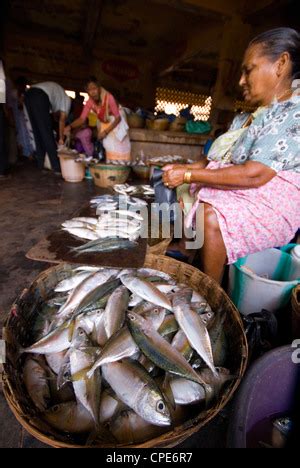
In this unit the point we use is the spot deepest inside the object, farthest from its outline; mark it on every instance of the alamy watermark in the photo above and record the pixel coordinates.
(296, 353)
(160, 221)
(2, 352)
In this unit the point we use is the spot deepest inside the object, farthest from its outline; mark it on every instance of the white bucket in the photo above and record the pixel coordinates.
(264, 280)
(71, 170)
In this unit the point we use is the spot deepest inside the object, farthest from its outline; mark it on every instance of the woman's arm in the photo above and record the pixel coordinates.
(252, 174)
(109, 129)
(197, 165)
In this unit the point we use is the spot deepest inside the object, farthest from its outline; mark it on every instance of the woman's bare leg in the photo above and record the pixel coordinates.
(213, 254)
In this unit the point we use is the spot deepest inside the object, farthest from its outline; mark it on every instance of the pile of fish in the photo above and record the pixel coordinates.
(140, 190)
(124, 355)
(161, 160)
(118, 224)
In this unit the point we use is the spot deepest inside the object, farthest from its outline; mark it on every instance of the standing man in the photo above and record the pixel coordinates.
(41, 100)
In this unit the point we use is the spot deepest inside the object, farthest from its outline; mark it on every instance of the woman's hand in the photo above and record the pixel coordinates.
(174, 177)
(61, 142)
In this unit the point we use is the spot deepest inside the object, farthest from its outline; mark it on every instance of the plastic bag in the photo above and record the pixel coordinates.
(163, 195)
(198, 127)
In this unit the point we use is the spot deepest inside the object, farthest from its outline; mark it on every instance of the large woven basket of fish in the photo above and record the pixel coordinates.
(173, 395)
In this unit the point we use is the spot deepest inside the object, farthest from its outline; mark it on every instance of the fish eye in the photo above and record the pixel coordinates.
(55, 409)
(161, 406)
(81, 333)
(156, 311)
(131, 317)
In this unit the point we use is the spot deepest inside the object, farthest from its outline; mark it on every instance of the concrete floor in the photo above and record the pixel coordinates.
(32, 205)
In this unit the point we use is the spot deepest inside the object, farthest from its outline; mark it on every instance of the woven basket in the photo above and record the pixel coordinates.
(106, 175)
(18, 330)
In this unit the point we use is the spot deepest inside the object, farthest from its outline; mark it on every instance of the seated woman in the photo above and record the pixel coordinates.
(250, 184)
(112, 125)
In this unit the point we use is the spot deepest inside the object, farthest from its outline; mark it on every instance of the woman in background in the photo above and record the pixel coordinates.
(112, 126)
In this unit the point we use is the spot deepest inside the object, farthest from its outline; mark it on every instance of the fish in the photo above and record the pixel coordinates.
(193, 327)
(109, 407)
(217, 382)
(201, 307)
(121, 345)
(114, 315)
(77, 225)
(55, 342)
(88, 269)
(158, 350)
(55, 361)
(71, 283)
(92, 221)
(65, 375)
(146, 291)
(36, 382)
(168, 326)
(219, 340)
(82, 233)
(90, 290)
(186, 392)
(181, 343)
(135, 300)
(87, 390)
(135, 388)
(106, 245)
(70, 418)
(146, 272)
(129, 428)
(93, 324)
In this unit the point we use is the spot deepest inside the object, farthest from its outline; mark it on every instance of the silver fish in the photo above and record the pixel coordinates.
(114, 315)
(71, 283)
(122, 345)
(158, 350)
(109, 407)
(55, 342)
(90, 290)
(87, 390)
(134, 387)
(146, 291)
(55, 361)
(193, 327)
(71, 418)
(36, 382)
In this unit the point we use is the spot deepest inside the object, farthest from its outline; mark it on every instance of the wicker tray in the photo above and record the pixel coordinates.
(18, 330)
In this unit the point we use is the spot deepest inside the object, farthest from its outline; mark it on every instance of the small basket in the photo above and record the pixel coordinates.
(135, 121)
(160, 125)
(18, 331)
(106, 175)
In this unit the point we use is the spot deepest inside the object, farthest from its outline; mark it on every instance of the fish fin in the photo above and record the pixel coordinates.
(81, 375)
